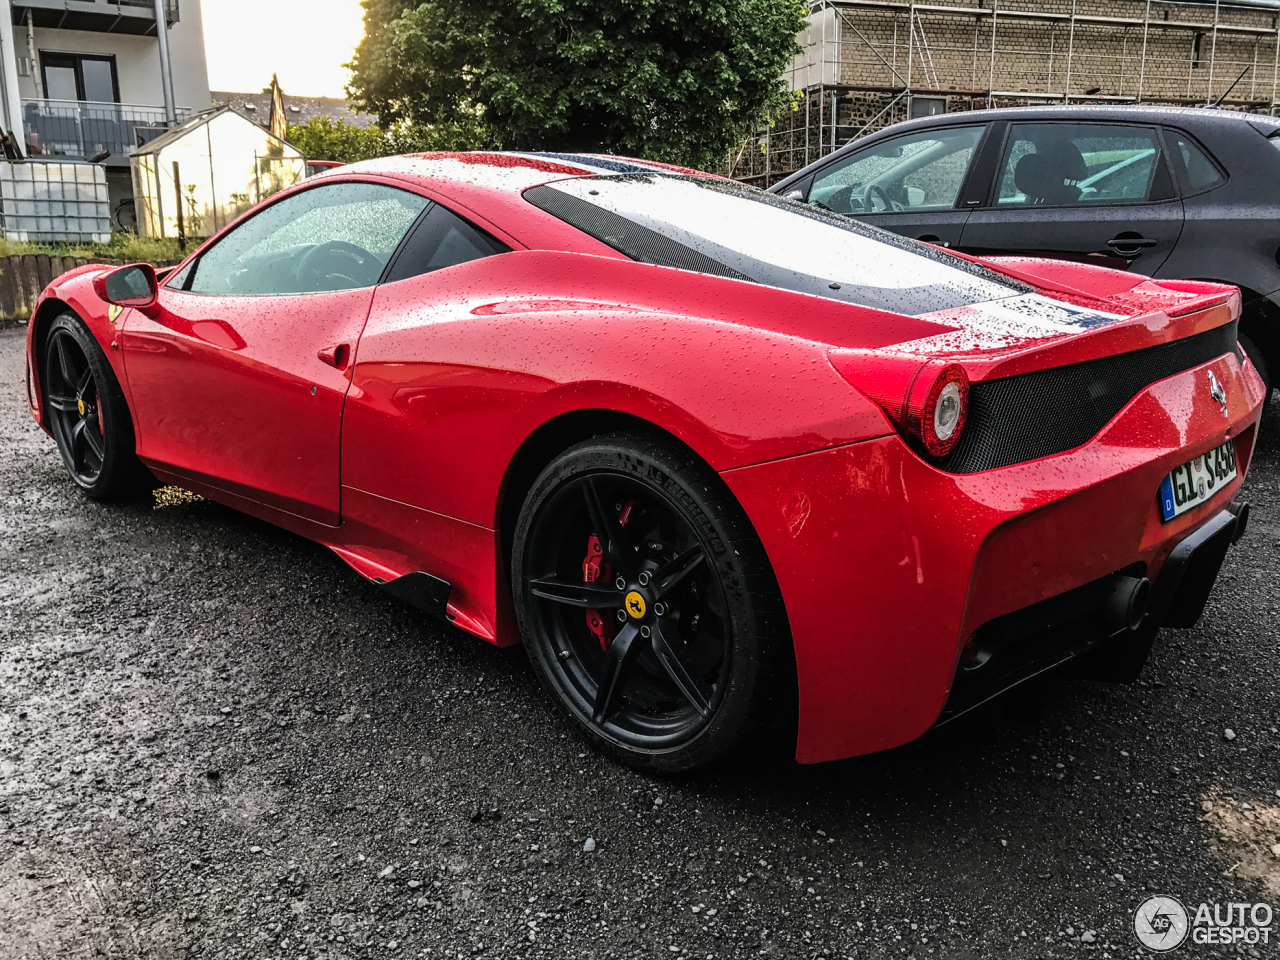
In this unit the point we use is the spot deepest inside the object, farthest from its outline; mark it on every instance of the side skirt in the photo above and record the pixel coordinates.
(422, 590)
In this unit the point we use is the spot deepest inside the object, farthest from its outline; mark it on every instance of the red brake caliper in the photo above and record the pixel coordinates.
(593, 569)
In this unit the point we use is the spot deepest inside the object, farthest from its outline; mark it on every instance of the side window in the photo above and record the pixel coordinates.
(333, 237)
(442, 239)
(1198, 171)
(1073, 164)
(920, 172)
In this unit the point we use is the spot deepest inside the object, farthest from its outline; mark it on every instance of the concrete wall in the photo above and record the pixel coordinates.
(137, 60)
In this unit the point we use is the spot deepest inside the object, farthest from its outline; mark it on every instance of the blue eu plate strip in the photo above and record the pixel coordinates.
(1166, 497)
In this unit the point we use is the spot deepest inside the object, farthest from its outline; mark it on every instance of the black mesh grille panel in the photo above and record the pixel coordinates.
(1015, 419)
(637, 242)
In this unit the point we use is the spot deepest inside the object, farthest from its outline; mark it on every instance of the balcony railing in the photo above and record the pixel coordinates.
(111, 16)
(84, 129)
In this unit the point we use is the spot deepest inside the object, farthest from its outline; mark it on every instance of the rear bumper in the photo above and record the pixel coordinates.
(1073, 631)
(889, 566)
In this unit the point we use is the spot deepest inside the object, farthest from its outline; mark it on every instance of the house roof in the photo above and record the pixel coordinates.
(257, 107)
(194, 122)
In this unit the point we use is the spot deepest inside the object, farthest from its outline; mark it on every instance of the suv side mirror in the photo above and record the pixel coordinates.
(132, 286)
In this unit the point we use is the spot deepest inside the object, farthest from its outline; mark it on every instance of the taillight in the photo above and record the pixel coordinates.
(945, 407)
(927, 400)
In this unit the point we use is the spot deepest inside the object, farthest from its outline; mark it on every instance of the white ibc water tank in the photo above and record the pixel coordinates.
(54, 202)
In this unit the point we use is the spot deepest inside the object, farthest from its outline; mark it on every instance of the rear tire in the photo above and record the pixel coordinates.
(637, 573)
(86, 412)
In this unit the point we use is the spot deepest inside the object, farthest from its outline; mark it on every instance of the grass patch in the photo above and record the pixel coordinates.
(123, 246)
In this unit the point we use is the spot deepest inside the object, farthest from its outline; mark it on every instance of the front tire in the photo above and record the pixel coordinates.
(648, 606)
(86, 412)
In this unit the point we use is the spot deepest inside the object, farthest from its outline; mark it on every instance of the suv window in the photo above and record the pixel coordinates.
(333, 237)
(920, 172)
(1198, 171)
(442, 239)
(1072, 164)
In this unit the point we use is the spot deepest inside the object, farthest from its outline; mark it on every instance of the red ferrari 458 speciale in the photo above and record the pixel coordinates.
(723, 461)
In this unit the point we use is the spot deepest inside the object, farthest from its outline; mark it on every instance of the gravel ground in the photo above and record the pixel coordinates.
(217, 741)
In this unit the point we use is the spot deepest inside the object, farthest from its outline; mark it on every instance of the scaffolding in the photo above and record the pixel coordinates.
(868, 63)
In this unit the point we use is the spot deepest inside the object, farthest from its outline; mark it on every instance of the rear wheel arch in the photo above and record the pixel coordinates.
(546, 443)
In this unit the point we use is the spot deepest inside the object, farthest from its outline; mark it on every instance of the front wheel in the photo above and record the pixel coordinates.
(86, 412)
(648, 605)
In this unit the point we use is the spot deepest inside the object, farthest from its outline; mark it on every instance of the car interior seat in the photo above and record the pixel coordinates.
(1051, 175)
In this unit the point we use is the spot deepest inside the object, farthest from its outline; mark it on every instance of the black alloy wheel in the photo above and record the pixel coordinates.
(647, 603)
(86, 411)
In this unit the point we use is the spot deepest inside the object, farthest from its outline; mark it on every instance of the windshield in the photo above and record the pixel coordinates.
(730, 229)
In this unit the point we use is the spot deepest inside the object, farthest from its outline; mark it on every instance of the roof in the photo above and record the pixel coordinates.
(505, 171)
(1141, 112)
(196, 121)
(257, 107)
(488, 186)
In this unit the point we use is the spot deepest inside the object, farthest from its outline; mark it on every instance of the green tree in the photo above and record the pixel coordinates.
(326, 139)
(672, 80)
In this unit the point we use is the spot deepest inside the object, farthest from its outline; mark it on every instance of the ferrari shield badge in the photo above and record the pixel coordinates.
(113, 311)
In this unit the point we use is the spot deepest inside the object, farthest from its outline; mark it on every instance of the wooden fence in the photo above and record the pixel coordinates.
(23, 277)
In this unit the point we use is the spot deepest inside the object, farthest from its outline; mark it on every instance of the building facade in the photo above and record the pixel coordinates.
(868, 63)
(86, 80)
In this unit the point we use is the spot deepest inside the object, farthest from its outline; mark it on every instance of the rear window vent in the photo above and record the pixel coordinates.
(637, 242)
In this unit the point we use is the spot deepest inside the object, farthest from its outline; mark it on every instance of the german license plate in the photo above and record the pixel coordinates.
(1191, 484)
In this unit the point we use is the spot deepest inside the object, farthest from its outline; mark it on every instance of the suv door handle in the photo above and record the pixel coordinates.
(1130, 243)
(336, 355)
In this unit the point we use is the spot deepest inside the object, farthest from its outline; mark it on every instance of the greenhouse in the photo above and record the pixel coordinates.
(219, 163)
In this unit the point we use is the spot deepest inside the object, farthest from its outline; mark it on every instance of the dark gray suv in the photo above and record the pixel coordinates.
(1164, 191)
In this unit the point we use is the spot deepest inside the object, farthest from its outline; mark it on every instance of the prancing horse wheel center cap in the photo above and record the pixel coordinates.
(635, 604)
(80, 407)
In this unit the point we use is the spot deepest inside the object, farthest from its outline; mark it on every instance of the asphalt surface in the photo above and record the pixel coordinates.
(217, 741)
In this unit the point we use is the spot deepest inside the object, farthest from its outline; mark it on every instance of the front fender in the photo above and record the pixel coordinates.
(71, 291)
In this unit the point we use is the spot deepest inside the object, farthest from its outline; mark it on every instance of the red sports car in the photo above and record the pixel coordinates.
(723, 461)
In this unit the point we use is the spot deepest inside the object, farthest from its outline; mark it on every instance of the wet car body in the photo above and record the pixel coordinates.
(401, 422)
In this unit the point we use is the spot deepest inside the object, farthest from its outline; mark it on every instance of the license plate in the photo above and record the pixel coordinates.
(1191, 484)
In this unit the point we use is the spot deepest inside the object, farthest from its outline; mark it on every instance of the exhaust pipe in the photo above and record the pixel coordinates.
(1127, 605)
(1241, 512)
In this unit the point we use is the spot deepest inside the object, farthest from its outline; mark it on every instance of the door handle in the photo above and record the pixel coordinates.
(335, 356)
(934, 239)
(1130, 243)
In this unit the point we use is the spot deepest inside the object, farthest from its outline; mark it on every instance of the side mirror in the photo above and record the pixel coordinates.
(132, 286)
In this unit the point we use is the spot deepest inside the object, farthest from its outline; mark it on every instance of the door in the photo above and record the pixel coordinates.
(239, 377)
(910, 185)
(1097, 193)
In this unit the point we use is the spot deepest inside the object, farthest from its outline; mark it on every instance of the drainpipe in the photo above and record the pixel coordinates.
(10, 101)
(166, 67)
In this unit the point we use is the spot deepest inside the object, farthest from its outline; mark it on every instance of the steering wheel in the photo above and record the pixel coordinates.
(875, 190)
(336, 265)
